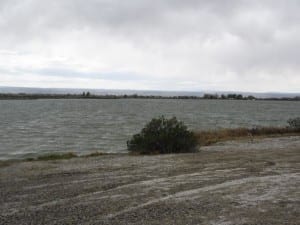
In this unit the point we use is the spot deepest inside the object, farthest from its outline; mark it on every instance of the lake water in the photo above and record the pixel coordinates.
(30, 127)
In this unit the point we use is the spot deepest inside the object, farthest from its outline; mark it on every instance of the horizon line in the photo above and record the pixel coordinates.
(153, 90)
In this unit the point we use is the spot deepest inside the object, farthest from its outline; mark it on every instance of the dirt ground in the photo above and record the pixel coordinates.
(230, 183)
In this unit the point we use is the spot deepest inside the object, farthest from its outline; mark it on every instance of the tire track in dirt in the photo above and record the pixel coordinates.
(191, 194)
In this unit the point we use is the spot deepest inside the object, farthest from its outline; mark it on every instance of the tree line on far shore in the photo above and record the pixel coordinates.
(229, 96)
(88, 95)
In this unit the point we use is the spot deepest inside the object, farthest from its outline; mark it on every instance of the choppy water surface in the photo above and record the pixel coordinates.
(35, 127)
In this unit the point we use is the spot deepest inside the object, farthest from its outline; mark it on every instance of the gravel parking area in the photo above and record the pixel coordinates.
(230, 183)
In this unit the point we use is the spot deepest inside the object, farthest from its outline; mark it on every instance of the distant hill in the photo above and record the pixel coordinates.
(15, 90)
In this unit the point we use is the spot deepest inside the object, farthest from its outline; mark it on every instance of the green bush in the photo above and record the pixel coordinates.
(163, 136)
(294, 123)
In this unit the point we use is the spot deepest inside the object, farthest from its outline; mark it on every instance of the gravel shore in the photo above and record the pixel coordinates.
(230, 183)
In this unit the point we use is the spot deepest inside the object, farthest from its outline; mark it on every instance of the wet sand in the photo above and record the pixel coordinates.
(238, 182)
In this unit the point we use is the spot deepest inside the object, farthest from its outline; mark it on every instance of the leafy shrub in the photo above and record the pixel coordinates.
(294, 123)
(163, 136)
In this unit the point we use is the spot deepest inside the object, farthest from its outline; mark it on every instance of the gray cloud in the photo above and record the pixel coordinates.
(229, 41)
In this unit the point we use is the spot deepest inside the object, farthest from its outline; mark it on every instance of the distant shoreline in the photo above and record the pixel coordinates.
(24, 96)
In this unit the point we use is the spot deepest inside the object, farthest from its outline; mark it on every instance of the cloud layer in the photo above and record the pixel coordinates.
(151, 44)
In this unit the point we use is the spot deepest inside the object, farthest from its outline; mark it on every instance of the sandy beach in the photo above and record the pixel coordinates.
(230, 183)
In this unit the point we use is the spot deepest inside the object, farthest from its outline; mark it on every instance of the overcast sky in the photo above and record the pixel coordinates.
(191, 45)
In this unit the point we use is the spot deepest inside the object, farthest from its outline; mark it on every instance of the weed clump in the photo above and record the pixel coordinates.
(54, 156)
(294, 123)
(163, 136)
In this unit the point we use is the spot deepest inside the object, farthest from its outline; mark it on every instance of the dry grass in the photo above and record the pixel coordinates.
(95, 154)
(6, 163)
(59, 156)
(210, 137)
(67, 155)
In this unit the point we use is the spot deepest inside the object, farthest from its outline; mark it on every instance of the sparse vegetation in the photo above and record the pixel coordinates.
(6, 163)
(163, 136)
(95, 154)
(67, 155)
(294, 123)
(211, 137)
